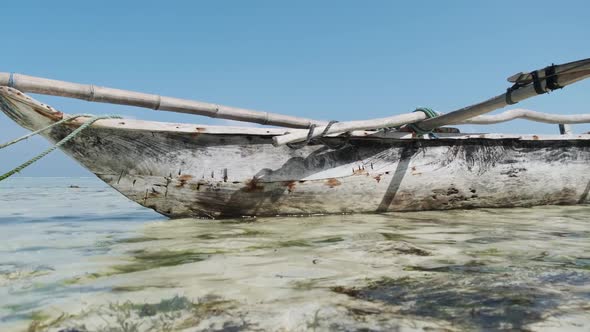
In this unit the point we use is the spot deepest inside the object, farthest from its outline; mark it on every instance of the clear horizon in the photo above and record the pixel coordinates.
(340, 60)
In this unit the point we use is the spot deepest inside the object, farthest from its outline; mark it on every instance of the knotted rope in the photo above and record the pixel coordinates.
(299, 145)
(416, 128)
(66, 139)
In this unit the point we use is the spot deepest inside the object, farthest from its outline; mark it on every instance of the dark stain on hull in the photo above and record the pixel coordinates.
(253, 186)
(290, 186)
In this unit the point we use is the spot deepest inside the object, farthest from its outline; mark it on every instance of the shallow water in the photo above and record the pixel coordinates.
(75, 254)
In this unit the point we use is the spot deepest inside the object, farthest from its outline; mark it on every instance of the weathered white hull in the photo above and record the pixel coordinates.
(201, 171)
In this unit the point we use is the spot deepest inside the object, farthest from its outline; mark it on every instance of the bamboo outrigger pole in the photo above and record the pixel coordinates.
(100, 94)
(526, 85)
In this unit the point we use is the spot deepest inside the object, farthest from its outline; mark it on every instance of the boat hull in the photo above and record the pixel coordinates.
(202, 173)
(228, 180)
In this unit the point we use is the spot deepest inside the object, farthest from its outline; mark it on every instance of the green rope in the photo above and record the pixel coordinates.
(2, 146)
(429, 114)
(57, 145)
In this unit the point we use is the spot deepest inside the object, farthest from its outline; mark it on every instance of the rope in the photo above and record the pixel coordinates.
(2, 146)
(334, 146)
(73, 134)
(416, 128)
(11, 80)
(328, 127)
(299, 145)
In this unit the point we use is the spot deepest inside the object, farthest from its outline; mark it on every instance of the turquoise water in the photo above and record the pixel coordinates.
(76, 255)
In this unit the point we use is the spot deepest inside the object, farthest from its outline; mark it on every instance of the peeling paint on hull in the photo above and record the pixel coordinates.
(182, 174)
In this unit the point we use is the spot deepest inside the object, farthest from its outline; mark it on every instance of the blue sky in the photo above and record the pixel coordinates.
(340, 60)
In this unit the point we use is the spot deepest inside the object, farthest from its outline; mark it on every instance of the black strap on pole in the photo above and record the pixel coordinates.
(551, 78)
(509, 100)
(537, 83)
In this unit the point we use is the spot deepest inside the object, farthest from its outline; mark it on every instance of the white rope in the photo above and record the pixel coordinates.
(520, 113)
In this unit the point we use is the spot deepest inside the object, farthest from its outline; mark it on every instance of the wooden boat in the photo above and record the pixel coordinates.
(187, 170)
